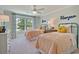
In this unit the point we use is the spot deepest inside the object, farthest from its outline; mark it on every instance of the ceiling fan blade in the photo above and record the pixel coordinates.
(39, 12)
(35, 9)
(41, 9)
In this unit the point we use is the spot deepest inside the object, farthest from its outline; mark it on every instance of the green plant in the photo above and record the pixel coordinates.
(21, 23)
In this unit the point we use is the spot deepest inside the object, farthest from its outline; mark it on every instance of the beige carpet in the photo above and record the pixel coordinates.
(21, 45)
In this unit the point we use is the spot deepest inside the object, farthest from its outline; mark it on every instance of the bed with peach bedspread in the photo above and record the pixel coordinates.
(55, 43)
(30, 35)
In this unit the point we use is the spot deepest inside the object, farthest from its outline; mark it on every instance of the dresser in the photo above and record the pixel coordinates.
(3, 43)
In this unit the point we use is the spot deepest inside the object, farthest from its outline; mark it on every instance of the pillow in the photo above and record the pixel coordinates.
(62, 29)
(68, 28)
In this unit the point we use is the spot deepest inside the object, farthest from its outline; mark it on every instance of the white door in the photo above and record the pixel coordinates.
(22, 25)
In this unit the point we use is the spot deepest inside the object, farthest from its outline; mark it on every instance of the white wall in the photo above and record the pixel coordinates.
(74, 10)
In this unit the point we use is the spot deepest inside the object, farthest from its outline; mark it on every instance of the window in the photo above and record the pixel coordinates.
(22, 24)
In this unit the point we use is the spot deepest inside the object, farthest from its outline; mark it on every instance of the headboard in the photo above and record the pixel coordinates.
(72, 26)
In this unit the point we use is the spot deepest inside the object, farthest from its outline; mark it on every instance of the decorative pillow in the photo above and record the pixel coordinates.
(68, 28)
(62, 29)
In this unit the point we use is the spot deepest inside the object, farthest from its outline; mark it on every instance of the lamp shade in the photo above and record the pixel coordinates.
(4, 18)
(52, 22)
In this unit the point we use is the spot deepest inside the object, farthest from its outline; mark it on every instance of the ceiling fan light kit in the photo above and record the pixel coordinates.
(34, 12)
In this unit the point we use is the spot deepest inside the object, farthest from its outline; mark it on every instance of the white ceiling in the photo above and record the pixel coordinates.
(27, 9)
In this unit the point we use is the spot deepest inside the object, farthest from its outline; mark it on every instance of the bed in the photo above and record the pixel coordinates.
(56, 43)
(31, 35)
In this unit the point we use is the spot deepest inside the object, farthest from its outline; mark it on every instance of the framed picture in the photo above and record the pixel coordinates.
(43, 21)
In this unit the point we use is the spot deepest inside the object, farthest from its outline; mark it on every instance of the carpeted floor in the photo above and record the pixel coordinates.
(21, 45)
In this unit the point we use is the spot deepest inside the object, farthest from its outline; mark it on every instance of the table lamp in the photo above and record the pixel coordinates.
(3, 19)
(52, 22)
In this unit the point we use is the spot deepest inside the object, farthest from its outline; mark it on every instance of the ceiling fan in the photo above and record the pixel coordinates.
(37, 11)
